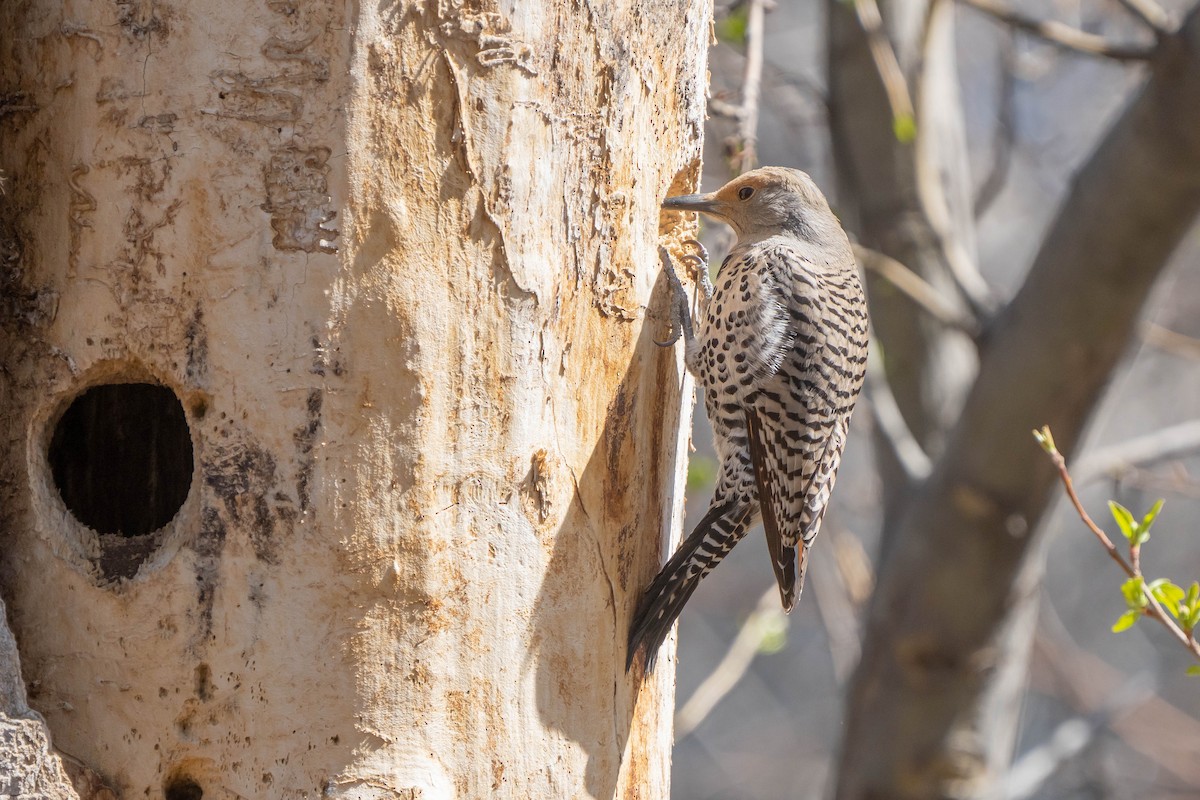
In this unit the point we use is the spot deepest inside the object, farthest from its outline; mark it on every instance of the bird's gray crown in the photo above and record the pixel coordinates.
(765, 202)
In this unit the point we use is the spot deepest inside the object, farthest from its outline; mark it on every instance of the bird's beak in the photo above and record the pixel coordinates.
(707, 203)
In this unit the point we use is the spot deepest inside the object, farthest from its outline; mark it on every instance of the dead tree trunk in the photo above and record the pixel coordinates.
(335, 446)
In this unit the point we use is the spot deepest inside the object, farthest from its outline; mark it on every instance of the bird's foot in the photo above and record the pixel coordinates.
(699, 262)
(680, 317)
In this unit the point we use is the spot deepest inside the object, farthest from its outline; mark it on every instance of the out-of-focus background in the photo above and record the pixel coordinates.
(1096, 714)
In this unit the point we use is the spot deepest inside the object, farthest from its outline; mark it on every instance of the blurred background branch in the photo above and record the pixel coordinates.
(1090, 170)
(1061, 35)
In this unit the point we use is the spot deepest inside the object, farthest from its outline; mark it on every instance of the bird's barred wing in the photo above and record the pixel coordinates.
(751, 312)
(796, 426)
(793, 485)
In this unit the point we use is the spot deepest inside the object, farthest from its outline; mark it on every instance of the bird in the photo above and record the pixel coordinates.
(779, 352)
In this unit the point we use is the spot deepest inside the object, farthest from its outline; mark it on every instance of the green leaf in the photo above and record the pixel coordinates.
(1045, 439)
(1195, 670)
(1134, 590)
(731, 29)
(1124, 518)
(702, 471)
(1170, 595)
(904, 128)
(1126, 621)
(774, 634)
(1148, 520)
(1191, 607)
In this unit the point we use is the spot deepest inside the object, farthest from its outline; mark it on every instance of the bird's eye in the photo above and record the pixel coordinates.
(745, 192)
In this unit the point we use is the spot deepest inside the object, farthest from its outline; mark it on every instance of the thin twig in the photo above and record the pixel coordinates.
(1153, 609)
(1159, 731)
(934, 206)
(1113, 461)
(733, 666)
(1061, 464)
(1033, 770)
(1152, 14)
(931, 192)
(886, 62)
(1004, 140)
(906, 450)
(1177, 482)
(836, 604)
(1170, 341)
(917, 289)
(747, 156)
(723, 108)
(799, 101)
(1062, 35)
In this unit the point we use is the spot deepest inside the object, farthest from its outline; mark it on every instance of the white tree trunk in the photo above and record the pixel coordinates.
(394, 262)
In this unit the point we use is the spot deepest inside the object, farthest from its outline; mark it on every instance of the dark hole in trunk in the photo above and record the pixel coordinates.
(121, 456)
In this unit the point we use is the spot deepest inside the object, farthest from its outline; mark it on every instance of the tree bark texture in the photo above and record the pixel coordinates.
(393, 261)
(931, 644)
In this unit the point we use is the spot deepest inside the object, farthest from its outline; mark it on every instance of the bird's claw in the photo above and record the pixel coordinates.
(679, 309)
(700, 266)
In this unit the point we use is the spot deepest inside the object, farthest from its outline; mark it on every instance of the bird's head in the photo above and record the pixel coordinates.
(766, 202)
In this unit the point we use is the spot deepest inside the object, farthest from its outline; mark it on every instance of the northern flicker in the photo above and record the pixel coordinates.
(780, 352)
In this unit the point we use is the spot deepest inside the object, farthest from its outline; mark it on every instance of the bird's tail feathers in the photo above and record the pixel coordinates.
(663, 601)
(790, 572)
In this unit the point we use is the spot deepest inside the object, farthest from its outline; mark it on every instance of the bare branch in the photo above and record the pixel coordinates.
(1170, 341)
(886, 62)
(1116, 460)
(1032, 770)
(894, 431)
(917, 289)
(1060, 464)
(723, 108)
(1151, 13)
(747, 157)
(1155, 728)
(742, 146)
(767, 615)
(1062, 35)
(838, 601)
(931, 192)
(1004, 140)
